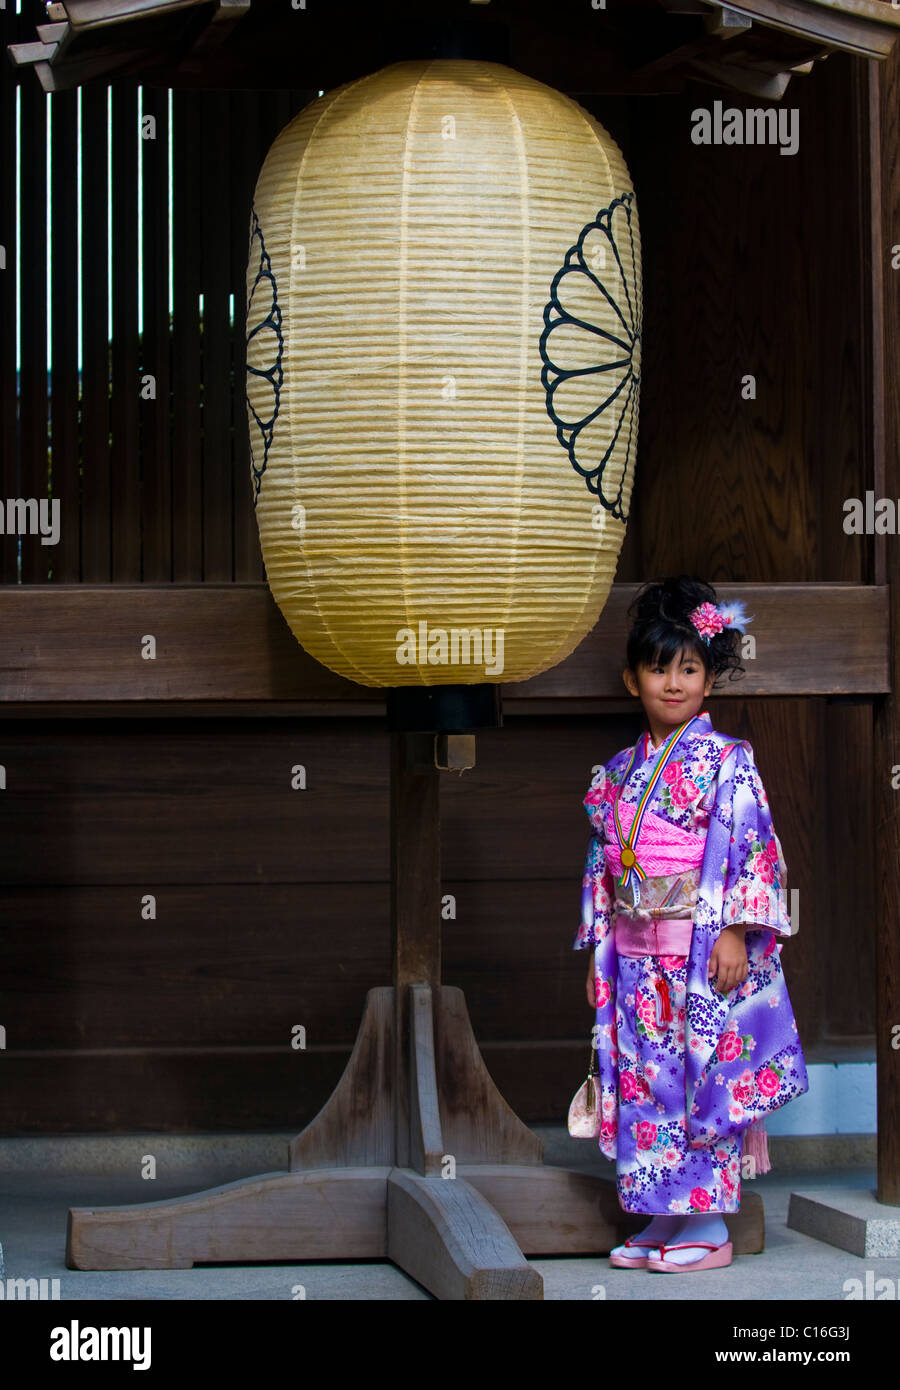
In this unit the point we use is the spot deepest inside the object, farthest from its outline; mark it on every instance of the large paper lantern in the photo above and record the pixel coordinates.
(443, 366)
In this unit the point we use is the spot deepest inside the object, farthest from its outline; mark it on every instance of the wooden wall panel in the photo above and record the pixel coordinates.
(753, 264)
(125, 388)
(187, 456)
(9, 559)
(173, 804)
(233, 965)
(886, 343)
(845, 932)
(97, 485)
(65, 556)
(31, 477)
(156, 347)
(244, 145)
(273, 909)
(216, 283)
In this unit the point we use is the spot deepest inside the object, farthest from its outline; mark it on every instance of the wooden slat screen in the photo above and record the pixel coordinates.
(151, 490)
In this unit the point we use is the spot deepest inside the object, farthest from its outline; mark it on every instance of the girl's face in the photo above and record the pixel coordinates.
(671, 694)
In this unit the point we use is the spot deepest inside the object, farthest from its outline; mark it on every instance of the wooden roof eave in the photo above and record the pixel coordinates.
(749, 45)
(60, 65)
(866, 28)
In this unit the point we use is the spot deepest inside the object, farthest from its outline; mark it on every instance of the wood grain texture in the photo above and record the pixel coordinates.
(886, 157)
(9, 560)
(637, 53)
(31, 477)
(777, 295)
(245, 151)
(584, 1216)
(77, 643)
(65, 481)
(155, 416)
(187, 458)
(847, 928)
(447, 1237)
(273, 910)
(276, 1216)
(356, 1124)
(216, 284)
(96, 524)
(125, 390)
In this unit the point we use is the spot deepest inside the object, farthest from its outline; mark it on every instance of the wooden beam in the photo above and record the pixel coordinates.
(725, 22)
(867, 27)
(225, 16)
(104, 37)
(794, 62)
(675, 58)
(23, 53)
(51, 33)
(85, 14)
(63, 76)
(69, 644)
(770, 86)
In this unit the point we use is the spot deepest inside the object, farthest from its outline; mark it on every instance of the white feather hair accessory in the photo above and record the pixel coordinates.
(709, 619)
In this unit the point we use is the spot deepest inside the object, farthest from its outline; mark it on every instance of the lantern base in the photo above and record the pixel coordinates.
(443, 708)
(446, 1181)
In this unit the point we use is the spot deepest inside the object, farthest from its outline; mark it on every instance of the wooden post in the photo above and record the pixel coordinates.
(415, 899)
(885, 182)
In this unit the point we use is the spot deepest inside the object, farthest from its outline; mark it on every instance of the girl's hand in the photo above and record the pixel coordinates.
(728, 959)
(591, 997)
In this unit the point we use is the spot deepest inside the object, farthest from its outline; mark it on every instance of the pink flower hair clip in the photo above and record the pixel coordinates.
(709, 619)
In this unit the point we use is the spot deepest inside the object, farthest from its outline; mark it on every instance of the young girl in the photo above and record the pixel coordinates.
(683, 898)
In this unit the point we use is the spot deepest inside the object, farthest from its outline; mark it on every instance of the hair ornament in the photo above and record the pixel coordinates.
(709, 619)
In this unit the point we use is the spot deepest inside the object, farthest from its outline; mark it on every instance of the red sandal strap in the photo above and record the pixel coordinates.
(646, 1244)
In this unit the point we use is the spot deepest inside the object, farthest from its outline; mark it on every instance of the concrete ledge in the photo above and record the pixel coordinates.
(851, 1219)
(181, 1156)
(177, 1156)
(786, 1152)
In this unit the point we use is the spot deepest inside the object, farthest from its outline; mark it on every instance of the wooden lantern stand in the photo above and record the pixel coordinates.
(415, 1157)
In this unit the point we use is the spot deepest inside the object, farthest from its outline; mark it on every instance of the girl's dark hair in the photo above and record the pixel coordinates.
(661, 627)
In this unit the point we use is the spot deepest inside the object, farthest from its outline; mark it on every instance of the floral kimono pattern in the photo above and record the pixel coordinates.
(677, 1097)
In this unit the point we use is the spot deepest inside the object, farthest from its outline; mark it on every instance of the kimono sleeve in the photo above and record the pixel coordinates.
(597, 897)
(755, 875)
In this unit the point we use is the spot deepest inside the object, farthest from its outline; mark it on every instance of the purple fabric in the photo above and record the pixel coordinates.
(736, 1057)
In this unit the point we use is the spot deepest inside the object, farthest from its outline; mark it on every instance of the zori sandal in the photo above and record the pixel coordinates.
(633, 1261)
(718, 1257)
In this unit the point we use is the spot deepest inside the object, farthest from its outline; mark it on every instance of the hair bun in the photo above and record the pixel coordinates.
(661, 626)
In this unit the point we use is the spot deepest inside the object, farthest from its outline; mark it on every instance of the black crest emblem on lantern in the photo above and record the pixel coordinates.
(263, 320)
(614, 350)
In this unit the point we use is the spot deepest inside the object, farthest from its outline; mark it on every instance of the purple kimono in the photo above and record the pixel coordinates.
(683, 1069)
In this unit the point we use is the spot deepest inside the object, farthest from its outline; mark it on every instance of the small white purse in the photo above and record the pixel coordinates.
(584, 1113)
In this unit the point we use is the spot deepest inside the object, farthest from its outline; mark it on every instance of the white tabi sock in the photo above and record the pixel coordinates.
(661, 1229)
(704, 1226)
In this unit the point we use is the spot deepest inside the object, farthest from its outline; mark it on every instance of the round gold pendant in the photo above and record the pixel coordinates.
(628, 857)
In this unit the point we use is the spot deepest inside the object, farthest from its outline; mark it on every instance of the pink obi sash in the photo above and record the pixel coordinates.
(668, 936)
(662, 848)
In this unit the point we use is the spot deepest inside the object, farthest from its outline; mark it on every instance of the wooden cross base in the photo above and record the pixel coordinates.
(415, 1158)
